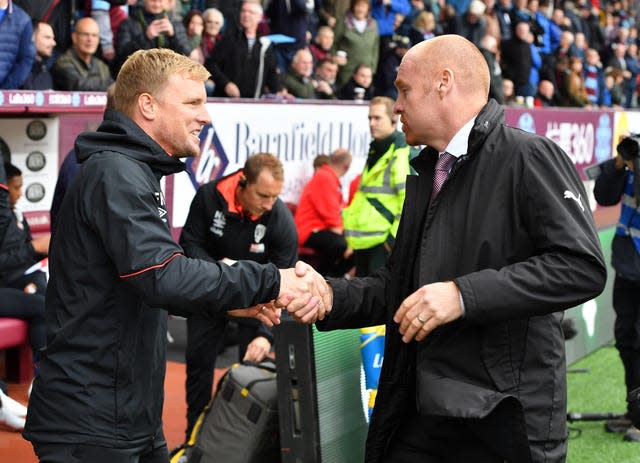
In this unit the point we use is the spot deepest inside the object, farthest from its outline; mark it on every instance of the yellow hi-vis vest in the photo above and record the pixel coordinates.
(373, 216)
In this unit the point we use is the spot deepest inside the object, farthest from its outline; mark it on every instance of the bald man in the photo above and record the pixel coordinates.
(78, 68)
(473, 292)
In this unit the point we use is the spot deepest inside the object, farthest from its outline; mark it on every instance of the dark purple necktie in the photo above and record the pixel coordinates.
(443, 166)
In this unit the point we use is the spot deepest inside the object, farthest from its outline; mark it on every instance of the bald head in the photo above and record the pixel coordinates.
(442, 84)
(459, 55)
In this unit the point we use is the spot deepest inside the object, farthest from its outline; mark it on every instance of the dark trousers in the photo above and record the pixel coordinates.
(626, 303)
(205, 337)
(153, 452)
(368, 261)
(30, 307)
(330, 247)
(500, 437)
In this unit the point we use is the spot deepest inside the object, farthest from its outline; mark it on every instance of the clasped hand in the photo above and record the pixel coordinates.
(305, 293)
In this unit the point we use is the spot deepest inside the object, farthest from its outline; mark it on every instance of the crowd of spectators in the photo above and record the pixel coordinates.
(578, 53)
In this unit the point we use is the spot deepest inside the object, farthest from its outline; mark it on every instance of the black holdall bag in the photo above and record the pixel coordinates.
(240, 422)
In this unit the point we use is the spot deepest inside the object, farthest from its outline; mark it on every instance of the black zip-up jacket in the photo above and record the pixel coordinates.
(113, 264)
(512, 228)
(16, 252)
(211, 232)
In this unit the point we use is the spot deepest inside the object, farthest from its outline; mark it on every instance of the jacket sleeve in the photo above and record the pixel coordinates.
(564, 265)
(131, 37)
(20, 256)
(144, 254)
(23, 61)
(5, 211)
(218, 56)
(609, 185)
(193, 237)
(179, 42)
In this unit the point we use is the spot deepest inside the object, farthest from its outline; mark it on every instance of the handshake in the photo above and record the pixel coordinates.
(304, 293)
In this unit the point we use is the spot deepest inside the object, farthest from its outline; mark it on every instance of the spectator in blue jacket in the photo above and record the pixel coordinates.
(17, 52)
(389, 14)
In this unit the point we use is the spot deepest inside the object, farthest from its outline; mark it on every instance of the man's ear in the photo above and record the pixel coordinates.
(147, 106)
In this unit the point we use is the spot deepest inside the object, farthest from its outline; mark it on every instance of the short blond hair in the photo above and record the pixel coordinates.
(147, 71)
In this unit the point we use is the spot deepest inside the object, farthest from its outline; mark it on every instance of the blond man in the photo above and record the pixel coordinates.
(116, 271)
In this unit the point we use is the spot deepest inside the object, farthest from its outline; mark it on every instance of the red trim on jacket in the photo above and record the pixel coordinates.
(4, 187)
(153, 267)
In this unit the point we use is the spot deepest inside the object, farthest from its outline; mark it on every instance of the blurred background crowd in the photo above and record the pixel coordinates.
(541, 53)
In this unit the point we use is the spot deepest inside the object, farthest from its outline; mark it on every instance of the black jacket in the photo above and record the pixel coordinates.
(132, 35)
(519, 251)
(211, 232)
(16, 252)
(232, 61)
(6, 216)
(113, 264)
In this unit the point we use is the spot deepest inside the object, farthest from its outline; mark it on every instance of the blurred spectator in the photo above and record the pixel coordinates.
(331, 10)
(78, 68)
(324, 79)
(471, 25)
(241, 64)
(356, 33)
(360, 87)
(193, 23)
(297, 79)
(44, 41)
(558, 23)
(633, 66)
(388, 68)
(594, 77)
(291, 18)
(614, 83)
(489, 49)
(508, 93)
(516, 59)
(389, 14)
(213, 23)
(60, 14)
(591, 27)
(504, 10)
(416, 7)
(230, 10)
(424, 27)
(574, 93)
(109, 15)
(580, 45)
(151, 26)
(546, 96)
(619, 61)
(491, 19)
(322, 43)
(18, 51)
(318, 216)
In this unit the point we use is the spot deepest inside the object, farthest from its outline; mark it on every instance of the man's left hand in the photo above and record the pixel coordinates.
(429, 307)
(257, 350)
(267, 313)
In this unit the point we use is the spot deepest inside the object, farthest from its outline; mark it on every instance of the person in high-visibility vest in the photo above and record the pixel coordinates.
(371, 220)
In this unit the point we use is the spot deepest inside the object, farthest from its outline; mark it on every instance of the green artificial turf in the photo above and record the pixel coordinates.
(599, 390)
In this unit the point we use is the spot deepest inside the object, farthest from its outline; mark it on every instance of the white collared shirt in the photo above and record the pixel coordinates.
(459, 144)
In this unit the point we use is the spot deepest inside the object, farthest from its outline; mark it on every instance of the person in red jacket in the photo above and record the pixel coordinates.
(318, 216)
